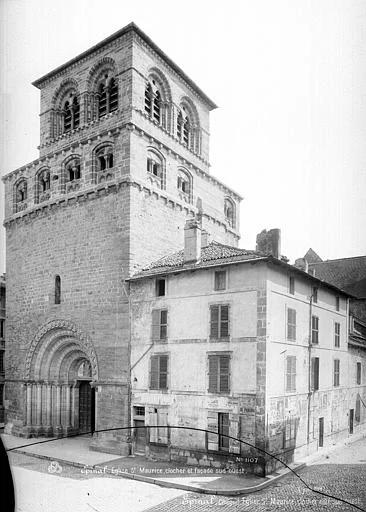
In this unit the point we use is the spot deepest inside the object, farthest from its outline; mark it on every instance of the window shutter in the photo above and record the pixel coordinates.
(224, 324)
(154, 373)
(163, 372)
(213, 370)
(316, 373)
(155, 330)
(153, 421)
(214, 331)
(224, 374)
(163, 432)
(163, 324)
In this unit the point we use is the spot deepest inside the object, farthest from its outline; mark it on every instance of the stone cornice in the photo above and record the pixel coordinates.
(97, 190)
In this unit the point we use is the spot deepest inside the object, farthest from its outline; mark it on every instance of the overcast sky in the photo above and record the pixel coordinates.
(289, 78)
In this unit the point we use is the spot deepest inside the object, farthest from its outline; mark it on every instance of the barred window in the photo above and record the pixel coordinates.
(219, 321)
(107, 96)
(218, 373)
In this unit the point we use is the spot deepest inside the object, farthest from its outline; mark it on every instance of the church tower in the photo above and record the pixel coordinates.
(123, 164)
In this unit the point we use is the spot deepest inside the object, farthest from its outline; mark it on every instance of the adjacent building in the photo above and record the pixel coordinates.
(242, 344)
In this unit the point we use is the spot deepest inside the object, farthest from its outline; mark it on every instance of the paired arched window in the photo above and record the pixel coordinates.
(184, 185)
(21, 195)
(153, 100)
(43, 185)
(73, 170)
(184, 127)
(229, 211)
(107, 96)
(155, 168)
(104, 158)
(71, 112)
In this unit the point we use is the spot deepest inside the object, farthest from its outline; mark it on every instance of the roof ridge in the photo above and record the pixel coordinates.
(338, 259)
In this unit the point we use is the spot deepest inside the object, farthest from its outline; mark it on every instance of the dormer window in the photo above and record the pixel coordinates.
(107, 96)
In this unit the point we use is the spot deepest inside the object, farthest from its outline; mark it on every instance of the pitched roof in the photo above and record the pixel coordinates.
(312, 257)
(346, 273)
(211, 255)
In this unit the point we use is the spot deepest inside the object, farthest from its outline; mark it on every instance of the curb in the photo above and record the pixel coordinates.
(270, 480)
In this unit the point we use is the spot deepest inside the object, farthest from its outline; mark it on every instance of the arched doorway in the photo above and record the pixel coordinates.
(61, 370)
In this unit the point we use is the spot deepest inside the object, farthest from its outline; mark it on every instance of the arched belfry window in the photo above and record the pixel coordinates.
(230, 212)
(21, 195)
(156, 168)
(185, 185)
(154, 101)
(188, 127)
(57, 289)
(73, 170)
(107, 96)
(71, 113)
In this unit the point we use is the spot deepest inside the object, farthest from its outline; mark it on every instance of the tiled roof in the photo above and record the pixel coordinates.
(346, 273)
(312, 257)
(213, 254)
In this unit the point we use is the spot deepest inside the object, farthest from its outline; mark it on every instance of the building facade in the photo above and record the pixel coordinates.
(244, 345)
(123, 163)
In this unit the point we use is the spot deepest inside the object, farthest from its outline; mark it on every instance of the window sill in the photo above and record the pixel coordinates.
(217, 340)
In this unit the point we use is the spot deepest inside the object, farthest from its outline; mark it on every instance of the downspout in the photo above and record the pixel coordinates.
(309, 368)
(129, 384)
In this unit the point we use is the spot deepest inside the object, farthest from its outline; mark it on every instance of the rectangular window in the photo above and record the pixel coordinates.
(219, 321)
(139, 411)
(220, 280)
(159, 324)
(1, 395)
(315, 294)
(336, 371)
(337, 334)
(289, 432)
(291, 324)
(291, 285)
(358, 373)
(159, 372)
(218, 373)
(314, 330)
(315, 373)
(223, 424)
(2, 369)
(290, 373)
(337, 304)
(358, 409)
(2, 328)
(160, 287)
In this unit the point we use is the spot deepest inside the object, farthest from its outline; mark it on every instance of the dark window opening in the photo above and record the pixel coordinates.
(2, 328)
(315, 294)
(160, 287)
(148, 95)
(315, 373)
(292, 285)
(67, 117)
(104, 158)
(2, 367)
(57, 289)
(139, 411)
(73, 170)
(113, 95)
(337, 303)
(223, 424)
(358, 373)
(156, 108)
(102, 106)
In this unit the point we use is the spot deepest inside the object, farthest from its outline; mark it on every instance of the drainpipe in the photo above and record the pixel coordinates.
(309, 369)
(129, 384)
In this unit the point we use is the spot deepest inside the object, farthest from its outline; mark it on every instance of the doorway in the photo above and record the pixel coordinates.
(351, 418)
(321, 432)
(86, 407)
(140, 436)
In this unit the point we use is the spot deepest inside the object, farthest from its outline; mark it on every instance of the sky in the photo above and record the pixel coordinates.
(289, 77)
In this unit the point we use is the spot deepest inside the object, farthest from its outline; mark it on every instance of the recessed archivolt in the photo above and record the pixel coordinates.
(54, 350)
(191, 110)
(66, 87)
(162, 82)
(104, 66)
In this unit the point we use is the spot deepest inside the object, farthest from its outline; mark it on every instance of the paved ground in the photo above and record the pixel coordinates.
(41, 486)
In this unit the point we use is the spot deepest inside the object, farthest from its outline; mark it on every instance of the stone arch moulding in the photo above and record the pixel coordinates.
(67, 85)
(192, 110)
(155, 73)
(60, 329)
(105, 65)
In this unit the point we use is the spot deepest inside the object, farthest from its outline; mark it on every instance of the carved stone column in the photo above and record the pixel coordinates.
(58, 426)
(29, 387)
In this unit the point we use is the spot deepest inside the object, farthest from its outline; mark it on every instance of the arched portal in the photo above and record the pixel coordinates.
(61, 370)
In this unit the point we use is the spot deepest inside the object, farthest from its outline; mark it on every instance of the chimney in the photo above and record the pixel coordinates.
(205, 238)
(269, 242)
(192, 241)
